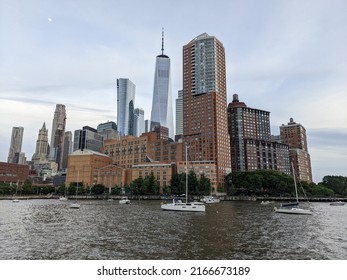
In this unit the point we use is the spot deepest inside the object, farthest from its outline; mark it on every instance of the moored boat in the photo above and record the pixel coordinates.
(209, 199)
(337, 203)
(178, 205)
(124, 200)
(293, 208)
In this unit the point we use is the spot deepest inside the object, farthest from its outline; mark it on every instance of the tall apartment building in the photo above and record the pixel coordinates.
(179, 113)
(87, 138)
(162, 113)
(125, 106)
(294, 135)
(57, 134)
(42, 146)
(14, 154)
(251, 147)
(205, 122)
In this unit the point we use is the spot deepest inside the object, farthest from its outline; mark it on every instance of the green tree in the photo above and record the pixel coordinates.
(166, 189)
(28, 188)
(61, 190)
(193, 183)
(178, 183)
(137, 186)
(204, 185)
(98, 189)
(336, 183)
(6, 189)
(229, 184)
(151, 184)
(321, 191)
(116, 190)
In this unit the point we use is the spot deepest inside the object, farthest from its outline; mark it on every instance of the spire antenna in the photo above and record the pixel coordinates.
(162, 41)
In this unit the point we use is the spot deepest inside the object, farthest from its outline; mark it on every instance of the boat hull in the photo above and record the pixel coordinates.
(74, 206)
(294, 211)
(337, 203)
(124, 202)
(184, 207)
(210, 199)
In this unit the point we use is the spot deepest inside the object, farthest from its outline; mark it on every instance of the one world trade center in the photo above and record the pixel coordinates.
(162, 112)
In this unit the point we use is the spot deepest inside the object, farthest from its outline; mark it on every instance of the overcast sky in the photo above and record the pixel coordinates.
(286, 57)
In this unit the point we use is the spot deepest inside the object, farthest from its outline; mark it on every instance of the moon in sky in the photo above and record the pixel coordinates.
(49, 19)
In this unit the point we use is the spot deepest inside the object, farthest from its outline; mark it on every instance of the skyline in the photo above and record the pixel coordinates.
(287, 58)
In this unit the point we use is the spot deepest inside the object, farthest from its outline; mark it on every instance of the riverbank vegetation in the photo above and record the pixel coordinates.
(255, 183)
(274, 183)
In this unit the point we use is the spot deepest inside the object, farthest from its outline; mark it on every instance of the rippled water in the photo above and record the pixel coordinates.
(49, 229)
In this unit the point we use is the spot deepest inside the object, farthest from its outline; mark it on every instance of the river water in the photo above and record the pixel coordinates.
(231, 230)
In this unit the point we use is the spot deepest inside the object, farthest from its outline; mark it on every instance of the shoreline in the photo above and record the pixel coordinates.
(158, 197)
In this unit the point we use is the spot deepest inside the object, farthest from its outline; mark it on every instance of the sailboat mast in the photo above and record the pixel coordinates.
(186, 173)
(78, 176)
(296, 188)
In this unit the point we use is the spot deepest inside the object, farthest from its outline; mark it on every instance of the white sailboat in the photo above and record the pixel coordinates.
(293, 208)
(179, 205)
(76, 205)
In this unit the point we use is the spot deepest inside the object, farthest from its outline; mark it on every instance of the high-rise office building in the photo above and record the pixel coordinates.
(67, 148)
(179, 113)
(294, 135)
(108, 130)
(87, 138)
(125, 106)
(139, 122)
(205, 121)
(147, 125)
(42, 146)
(162, 112)
(251, 147)
(57, 136)
(16, 145)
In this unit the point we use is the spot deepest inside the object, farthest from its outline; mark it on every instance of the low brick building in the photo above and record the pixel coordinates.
(13, 173)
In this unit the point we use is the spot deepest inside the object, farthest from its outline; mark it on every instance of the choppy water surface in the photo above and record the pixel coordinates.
(49, 229)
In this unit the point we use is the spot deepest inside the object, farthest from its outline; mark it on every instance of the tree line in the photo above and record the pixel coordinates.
(258, 183)
(275, 183)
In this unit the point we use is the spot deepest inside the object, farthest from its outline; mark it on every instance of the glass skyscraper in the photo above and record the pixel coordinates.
(125, 106)
(87, 138)
(139, 122)
(162, 112)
